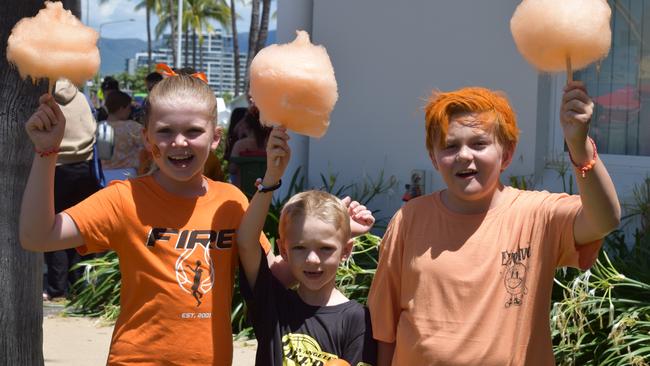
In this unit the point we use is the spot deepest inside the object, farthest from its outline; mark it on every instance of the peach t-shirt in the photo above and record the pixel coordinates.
(453, 289)
(177, 260)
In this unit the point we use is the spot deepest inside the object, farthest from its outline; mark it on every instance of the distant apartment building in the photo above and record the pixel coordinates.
(218, 63)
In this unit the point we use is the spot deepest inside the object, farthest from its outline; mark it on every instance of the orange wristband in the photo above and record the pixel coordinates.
(44, 153)
(584, 168)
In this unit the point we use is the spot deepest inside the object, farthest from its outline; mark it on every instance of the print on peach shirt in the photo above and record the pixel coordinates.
(514, 277)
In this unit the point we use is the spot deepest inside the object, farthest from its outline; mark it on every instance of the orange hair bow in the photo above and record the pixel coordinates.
(165, 70)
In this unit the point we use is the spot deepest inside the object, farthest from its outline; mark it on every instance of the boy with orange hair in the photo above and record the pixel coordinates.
(465, 274)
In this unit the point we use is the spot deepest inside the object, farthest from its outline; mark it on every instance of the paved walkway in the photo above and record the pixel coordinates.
(84, 341)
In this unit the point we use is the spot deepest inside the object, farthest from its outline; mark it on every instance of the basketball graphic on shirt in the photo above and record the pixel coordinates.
(195, 271)
(303, 350)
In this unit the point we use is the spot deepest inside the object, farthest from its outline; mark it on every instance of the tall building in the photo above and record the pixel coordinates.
(217, 59)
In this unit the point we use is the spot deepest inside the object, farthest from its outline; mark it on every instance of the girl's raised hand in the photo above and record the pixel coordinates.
(278, 154)
(46, 126)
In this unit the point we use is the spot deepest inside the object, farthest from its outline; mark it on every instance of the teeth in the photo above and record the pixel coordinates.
(180, 157)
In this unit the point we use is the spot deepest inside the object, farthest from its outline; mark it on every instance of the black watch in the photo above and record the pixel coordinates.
(262, 189)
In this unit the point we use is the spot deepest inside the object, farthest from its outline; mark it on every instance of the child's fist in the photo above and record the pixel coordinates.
(361, 219)
(576, 111)
(46, 126)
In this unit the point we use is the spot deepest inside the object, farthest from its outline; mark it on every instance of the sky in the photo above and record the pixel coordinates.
(95, 15)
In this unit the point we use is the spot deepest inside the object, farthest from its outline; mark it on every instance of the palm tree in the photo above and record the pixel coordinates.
(21, 272)
(167, 18)
(264, 26)
(252, 35)
(148, 5)
(235, 45)
(197, 17)
(259, 30)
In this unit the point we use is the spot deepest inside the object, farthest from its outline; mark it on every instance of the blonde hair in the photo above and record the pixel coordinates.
(442, 106)
(321, 205)
(181, 89)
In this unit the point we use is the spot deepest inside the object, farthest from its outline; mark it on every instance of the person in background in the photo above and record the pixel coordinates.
(74, 180)
(128, 138)
(251, 145)
(109, 84)
(151, 80)
(234, 126)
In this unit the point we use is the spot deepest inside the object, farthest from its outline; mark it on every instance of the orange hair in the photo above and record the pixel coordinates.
(442, 106)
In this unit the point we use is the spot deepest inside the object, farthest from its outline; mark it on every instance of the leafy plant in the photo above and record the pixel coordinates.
(99, 289)
(640, 207)
(523, 182)
(355, 275)
(604, 317)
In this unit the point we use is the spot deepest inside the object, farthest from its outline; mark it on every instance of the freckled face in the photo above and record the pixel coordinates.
(180, 140)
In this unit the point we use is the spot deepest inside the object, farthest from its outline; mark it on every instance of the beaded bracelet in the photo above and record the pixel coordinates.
(44, 153)
(584, 168)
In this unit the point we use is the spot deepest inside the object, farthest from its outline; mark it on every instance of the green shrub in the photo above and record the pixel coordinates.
(604, 315)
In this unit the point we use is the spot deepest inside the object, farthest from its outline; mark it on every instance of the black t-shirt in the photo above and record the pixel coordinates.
(287, 328)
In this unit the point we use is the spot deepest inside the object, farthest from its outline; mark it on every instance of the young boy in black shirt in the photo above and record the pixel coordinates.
(314, 323)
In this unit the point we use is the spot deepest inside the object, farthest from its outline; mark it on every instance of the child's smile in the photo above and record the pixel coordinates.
(181, 160)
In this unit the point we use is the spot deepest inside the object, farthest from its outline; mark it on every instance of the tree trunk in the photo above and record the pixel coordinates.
(148, 10)
(186, 48)
(252, 36)
(201, 57)
(264, 25)
(193, 49)
(235, 45)
(21, 272)
(172, 24)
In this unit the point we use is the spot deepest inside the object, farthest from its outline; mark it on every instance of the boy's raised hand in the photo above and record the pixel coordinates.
(278, 154)
(575, 113)
(361, 219)
(46, 126)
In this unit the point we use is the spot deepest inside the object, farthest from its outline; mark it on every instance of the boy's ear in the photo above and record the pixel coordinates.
(506, 158)
(432, 156)
(347, 249)
(283, 251)
(218, 133)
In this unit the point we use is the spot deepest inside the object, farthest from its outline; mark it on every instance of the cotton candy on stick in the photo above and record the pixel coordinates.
(293, 85)
(54, 44)
(556, 34)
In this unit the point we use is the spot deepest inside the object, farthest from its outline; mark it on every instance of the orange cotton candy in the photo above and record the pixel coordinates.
(54, 44)
(293, 85)
(337, 362)
(548, 31)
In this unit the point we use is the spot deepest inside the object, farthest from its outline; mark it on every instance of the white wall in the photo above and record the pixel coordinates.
(388, 55)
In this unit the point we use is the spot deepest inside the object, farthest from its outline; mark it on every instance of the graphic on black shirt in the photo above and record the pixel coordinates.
(514, 275)
(303, 350)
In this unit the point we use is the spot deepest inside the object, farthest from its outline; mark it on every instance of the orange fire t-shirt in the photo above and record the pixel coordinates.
(177, 260)
(453, 289)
